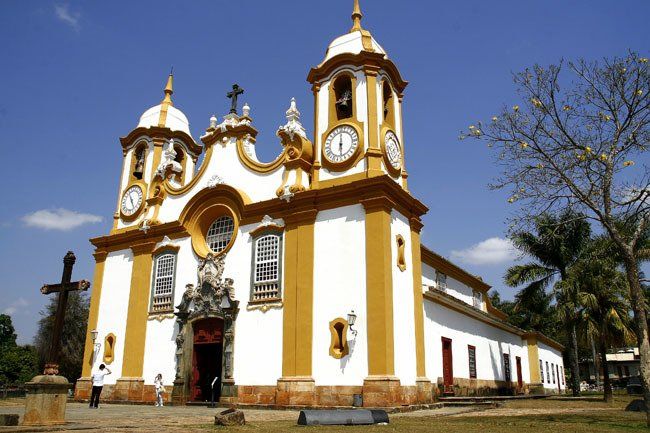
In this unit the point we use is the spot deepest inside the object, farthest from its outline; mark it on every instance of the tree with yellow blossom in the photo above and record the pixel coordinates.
(585, 151)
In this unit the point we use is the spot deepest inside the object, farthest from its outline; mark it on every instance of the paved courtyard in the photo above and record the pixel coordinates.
(148, 418)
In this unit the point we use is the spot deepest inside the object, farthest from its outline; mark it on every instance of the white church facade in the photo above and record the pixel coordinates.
(296, 282)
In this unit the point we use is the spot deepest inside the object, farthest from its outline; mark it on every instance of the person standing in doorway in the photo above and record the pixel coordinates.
(98, 384)
(160, 390)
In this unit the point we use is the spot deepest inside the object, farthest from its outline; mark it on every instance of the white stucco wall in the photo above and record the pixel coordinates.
(552, 357)
(490, 342)
(403, 318)
(258, 334)
(113, 307)
(339, 286)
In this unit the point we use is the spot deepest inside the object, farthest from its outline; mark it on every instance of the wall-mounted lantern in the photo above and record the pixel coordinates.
(352, 318)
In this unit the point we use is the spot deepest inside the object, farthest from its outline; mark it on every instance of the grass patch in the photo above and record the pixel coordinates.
(602, 422)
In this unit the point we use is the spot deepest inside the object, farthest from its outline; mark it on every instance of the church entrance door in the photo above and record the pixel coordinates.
(206, 359)
(447, 366)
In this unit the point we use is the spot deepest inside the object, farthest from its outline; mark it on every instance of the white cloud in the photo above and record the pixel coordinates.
(14, 306)
(70, 18)
(491, 251)
(59, 219)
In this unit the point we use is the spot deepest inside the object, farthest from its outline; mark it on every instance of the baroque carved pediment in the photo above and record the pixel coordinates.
(213, 295)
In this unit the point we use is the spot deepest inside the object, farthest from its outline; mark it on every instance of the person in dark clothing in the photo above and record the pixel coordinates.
(98, 384)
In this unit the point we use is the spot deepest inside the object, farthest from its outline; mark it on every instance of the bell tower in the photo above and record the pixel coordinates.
(357, 111)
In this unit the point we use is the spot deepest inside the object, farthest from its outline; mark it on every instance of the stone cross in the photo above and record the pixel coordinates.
(236, 91)
(52, 365)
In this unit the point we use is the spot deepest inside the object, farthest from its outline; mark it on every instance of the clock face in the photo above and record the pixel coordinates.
(341, 144)
(131, 200)
(393, 150)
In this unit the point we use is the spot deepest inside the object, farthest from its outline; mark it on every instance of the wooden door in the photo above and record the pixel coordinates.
(447, 366)
(206, 358)
(520, 381)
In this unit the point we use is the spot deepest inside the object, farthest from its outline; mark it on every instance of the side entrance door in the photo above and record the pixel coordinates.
(520, 381)
(447, 366)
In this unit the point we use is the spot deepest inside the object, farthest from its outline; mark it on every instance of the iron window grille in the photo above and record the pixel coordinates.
(267, 267)
(163, 287)
(220, 233)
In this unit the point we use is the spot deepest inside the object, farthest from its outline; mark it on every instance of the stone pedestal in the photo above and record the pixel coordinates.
(295, 391)
(536, 388)
(382, 391)
(47, 396)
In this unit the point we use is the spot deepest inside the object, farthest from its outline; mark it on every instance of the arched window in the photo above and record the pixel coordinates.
(220, 233)
(109, 348)
(138, 161)
(343, 97)
(339, 338)
(388, 107)
(266, 268)
(180, 159)
(163, 284)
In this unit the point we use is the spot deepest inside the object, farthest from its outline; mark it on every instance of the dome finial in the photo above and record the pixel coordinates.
(356, 17)
(169, 88)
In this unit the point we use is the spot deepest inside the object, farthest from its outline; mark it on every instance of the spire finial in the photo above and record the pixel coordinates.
(356, 17)
(169, 88)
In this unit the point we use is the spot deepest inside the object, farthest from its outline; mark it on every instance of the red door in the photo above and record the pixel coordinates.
(206, 359)
(447, 366)
(520, 381)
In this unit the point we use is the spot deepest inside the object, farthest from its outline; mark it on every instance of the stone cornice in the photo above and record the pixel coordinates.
(165, 133)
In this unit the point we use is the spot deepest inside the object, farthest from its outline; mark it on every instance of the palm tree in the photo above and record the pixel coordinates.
(557, 244)
(604, 308)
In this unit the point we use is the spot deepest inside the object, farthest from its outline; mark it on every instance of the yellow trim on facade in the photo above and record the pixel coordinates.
(339, 341)
(379, 287)
(138, 310)
(533, 359)
(93, 313)
(418, 307)
(297, 323)
(374, 158)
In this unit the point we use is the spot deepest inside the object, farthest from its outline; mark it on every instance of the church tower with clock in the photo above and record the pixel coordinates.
(296, 282)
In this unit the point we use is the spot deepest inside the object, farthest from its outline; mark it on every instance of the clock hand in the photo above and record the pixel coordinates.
(340, 145)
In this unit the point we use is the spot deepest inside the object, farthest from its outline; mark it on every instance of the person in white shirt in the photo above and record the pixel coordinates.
(160, 390)
(98, 384)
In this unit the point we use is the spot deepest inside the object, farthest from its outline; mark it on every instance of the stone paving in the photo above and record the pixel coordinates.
(148, 418)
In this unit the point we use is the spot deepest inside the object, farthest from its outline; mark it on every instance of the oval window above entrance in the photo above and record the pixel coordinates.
(220, 233)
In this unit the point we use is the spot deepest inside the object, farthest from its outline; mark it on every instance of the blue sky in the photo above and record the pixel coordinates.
(77, 75)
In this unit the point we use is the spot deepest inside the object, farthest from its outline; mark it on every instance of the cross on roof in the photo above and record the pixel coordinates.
(236, 91)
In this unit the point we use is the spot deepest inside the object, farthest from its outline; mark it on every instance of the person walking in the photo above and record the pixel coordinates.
(98, 384)
(160, 390)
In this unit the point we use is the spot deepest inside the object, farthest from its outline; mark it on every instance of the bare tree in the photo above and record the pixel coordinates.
(581, 147)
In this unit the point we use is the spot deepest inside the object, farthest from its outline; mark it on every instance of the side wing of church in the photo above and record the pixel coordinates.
(296, 282)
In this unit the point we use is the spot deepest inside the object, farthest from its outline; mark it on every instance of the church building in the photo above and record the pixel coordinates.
(296, 282)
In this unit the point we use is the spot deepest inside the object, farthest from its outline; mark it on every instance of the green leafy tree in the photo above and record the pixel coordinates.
(73, 337)
(18, 364)
(604, 308)
(555, 246)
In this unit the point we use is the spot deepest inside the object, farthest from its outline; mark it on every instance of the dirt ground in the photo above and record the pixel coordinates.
(520, 416)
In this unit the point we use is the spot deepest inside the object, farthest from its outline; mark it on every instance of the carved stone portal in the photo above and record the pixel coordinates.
(213, 297)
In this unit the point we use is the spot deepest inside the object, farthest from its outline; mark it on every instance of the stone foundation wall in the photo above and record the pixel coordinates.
(287, 393)
(124, 391)
(464, 387)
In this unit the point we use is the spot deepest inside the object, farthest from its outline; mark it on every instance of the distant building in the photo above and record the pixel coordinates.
(623, 363)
